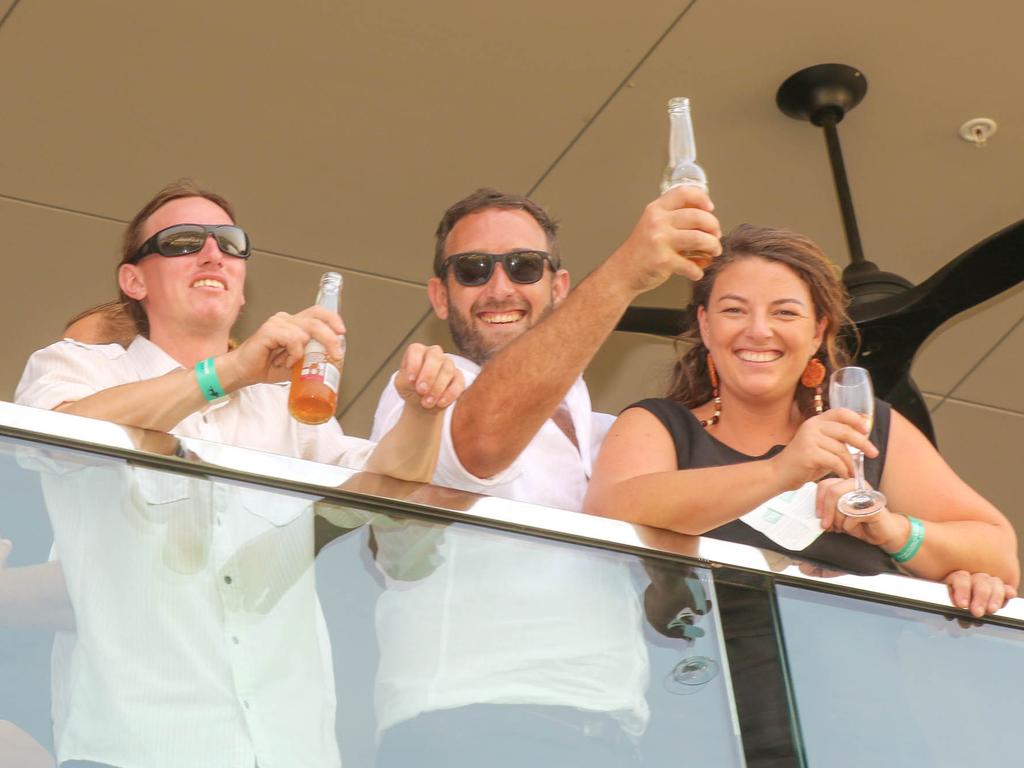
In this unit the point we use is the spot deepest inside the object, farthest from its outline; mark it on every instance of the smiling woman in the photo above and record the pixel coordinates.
(744, 425)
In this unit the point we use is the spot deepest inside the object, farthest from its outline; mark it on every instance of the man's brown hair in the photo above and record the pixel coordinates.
(481, 200)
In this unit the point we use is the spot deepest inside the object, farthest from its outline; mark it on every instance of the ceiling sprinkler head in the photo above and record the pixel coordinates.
(978, 130)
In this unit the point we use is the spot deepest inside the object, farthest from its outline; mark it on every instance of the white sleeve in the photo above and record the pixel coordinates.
(65, 372)
(449, 472)
(600, 423)
(389, 409)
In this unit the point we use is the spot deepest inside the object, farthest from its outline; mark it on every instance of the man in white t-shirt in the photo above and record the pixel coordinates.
(199, 638)
(503, 623)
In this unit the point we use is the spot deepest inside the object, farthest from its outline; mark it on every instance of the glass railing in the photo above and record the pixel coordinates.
(173, 602)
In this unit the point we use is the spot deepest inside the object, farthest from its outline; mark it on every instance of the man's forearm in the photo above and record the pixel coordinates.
(521, 386)
(159, 403)
(409, 450)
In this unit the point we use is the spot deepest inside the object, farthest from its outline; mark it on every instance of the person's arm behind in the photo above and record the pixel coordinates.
(428, 382)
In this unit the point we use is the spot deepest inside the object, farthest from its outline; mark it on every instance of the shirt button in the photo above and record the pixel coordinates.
(227, 579)
(245, 704)
(234, 640)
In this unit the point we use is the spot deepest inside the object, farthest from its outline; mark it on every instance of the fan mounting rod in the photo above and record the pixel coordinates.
(823, 94)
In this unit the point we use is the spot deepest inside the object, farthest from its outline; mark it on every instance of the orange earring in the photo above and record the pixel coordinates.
(712, 372)
(713, 376)
(812, 378)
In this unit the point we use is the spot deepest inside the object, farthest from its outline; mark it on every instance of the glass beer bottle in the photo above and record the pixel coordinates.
(682, 168)
(313, 398)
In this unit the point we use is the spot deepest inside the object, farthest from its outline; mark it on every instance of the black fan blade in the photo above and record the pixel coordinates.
(661, 321)
(906, 398)
(994, 265)
(892, 329)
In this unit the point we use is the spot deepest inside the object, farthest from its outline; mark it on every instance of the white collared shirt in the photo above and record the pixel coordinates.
(502, 619)
(550, 470)
(199, 637)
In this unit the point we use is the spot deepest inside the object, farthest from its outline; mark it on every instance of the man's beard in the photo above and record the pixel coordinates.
(471, 343)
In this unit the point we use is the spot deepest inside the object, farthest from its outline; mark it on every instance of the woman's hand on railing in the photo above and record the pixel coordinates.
(978, 593)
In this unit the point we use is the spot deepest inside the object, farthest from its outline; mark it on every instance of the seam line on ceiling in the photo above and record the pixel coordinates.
(311, 262)
(387, 358)
(600, 110)
(325, 265)
(9, 12)
(985, 406)
(63, 209)
(973, 368)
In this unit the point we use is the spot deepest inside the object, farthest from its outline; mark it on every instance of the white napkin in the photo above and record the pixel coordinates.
(789, 518)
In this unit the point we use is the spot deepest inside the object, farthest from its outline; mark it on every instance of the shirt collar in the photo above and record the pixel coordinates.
(151, 358)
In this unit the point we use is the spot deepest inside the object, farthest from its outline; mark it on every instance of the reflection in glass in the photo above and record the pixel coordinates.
(511, 636)
(529, 652)
(690, 675)
(195, 613)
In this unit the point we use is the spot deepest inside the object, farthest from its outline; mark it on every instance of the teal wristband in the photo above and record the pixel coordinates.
(209, 384)
(913, 543)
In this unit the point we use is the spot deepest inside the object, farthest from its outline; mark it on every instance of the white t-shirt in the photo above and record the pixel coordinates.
(199, 638)
(494, 618)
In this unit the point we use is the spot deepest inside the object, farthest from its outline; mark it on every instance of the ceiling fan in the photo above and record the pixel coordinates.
(893, 316)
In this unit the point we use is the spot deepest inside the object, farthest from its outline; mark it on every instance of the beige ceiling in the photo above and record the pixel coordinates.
(341, 131)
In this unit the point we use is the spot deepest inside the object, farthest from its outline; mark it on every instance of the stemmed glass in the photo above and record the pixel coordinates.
(851, 388)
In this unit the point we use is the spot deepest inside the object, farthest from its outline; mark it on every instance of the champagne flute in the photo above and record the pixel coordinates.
(851, 388)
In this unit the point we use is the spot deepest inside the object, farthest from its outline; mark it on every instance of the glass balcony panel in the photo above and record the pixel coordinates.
(199, 619)
(878, 684)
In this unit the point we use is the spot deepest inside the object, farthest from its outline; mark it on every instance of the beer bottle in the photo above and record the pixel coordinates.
(682, 168)
(313, 398)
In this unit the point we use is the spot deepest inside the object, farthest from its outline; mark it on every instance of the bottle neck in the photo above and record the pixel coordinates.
(682, 147)
(329, 292)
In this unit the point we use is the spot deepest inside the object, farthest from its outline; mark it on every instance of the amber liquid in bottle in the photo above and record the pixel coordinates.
(682, 169)
(313, 398)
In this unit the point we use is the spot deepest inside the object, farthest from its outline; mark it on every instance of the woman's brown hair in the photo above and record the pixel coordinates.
(690, 384)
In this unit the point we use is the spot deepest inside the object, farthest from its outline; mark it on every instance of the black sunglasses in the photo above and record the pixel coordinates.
(472, 269)
(183, 239)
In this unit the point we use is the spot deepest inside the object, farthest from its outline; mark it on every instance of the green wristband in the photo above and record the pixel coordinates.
(209, 384)
(913, 543)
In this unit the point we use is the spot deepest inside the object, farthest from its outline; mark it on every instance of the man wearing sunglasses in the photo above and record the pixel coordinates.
(497, 282)
(181, 280)
(181, 655)
(572, 668)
